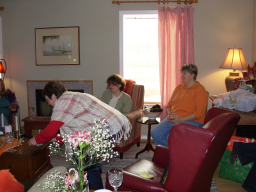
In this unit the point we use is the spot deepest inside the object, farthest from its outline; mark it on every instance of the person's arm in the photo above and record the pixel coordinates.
(12, 99)
(47, 134)
(104, 97)
(127, 106)
(201, 103)
(168, 111)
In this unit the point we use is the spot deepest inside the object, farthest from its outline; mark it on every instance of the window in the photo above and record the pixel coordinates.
(139, 51)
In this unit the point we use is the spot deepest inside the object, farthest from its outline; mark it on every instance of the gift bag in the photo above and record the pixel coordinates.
(234, 172)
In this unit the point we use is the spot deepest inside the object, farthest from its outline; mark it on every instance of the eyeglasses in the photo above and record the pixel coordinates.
(112, 84)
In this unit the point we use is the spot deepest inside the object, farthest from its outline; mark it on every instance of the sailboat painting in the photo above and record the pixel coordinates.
(57, 45)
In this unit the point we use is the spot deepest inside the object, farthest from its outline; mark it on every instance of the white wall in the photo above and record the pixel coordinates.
(218, 25)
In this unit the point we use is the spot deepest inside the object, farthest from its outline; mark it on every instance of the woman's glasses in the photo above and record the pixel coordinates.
(112, 84)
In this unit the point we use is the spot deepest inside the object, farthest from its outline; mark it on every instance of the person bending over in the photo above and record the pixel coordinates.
(115, 97)
(73, 111)
(187, 105)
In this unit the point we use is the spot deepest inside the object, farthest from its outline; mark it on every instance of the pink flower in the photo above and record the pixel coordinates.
(79, 137)
(71, 177)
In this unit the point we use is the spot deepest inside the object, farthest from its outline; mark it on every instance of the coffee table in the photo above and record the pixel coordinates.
(28, 162)
(149, 122)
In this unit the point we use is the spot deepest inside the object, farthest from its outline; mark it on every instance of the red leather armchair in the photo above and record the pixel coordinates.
(193, 156)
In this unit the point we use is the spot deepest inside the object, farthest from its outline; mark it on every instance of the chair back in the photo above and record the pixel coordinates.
(137, 96)
(194, 153)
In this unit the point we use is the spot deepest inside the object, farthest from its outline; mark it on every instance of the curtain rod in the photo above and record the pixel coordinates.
(158, 1)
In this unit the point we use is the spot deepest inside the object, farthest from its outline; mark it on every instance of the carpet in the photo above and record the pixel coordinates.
(129, 158)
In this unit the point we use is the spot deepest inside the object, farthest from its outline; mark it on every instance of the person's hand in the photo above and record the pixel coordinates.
(173, 118)
(13, 108)
(32, 142)
(53, 139)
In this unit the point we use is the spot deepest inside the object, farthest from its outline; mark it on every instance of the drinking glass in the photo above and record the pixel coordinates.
(232, 100)
(9, 139)
(115, 177)
(31, 111)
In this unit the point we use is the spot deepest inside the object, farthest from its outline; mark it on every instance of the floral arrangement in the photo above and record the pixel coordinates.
(83, 148)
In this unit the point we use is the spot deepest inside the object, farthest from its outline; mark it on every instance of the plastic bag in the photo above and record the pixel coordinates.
(245, 101)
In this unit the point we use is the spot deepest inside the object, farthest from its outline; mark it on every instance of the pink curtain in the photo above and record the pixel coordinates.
(176, 47)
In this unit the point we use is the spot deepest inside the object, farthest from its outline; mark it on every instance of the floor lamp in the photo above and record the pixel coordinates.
(234, 60)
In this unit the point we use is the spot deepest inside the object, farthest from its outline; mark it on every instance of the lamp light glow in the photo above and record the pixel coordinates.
(234, 60)
(3, 68)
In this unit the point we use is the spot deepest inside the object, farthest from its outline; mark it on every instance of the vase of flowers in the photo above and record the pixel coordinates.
(84, 149)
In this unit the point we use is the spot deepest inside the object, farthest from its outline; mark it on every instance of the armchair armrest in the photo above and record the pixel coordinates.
(141, 184)
(134, 114)
(161, 155)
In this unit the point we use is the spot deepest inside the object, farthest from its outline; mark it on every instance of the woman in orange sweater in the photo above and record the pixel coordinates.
(187, 105)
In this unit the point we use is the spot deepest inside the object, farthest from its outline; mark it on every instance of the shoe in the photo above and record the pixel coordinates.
(233, 156)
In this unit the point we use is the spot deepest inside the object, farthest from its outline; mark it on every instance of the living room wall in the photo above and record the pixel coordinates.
(218, 25)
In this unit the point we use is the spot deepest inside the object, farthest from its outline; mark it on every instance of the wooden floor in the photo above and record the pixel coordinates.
(225, 185)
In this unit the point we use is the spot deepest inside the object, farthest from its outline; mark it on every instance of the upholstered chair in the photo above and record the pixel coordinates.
(137, 95)
(188, 164)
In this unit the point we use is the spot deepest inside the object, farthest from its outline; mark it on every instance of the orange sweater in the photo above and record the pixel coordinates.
(185, 101)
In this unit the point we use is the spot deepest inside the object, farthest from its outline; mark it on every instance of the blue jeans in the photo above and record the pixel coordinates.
(160, 133)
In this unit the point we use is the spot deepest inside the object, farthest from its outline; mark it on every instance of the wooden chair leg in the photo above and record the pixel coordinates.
(121, 155)
(138, 143)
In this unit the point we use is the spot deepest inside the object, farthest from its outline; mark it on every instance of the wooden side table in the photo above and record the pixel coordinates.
(35, 123)
(28, 162)
(149, 122)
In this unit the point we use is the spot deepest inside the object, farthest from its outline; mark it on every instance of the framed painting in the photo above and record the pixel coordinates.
(57, 46)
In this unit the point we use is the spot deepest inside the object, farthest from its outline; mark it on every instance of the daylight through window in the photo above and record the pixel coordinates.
(139, 51)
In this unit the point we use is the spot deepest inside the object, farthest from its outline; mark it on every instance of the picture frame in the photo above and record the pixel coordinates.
(57, 46)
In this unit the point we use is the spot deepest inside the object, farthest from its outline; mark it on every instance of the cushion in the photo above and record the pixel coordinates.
(9, 183)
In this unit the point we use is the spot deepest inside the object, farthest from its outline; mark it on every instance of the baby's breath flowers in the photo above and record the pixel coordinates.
(86, 148)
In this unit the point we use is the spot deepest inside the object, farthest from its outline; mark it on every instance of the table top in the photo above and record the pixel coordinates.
(147, 121)
(25, 150)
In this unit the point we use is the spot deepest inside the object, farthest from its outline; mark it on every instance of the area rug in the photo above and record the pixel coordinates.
(129, 158)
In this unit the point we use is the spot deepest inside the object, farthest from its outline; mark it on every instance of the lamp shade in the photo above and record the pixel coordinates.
(3, 68)
(234, 60)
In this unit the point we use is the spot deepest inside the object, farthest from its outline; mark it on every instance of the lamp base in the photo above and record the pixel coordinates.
(230, 81)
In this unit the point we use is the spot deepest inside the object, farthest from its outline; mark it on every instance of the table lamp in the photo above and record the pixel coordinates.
(2, 68)
(234, 60)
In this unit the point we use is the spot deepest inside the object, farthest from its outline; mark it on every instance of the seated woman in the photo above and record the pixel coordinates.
(187, 105)
(115, 97)
(8, 103)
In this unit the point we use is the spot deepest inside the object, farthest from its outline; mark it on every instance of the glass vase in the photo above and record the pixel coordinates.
(81, 185)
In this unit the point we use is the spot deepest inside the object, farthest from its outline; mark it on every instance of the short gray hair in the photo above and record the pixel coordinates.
(191, 68)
